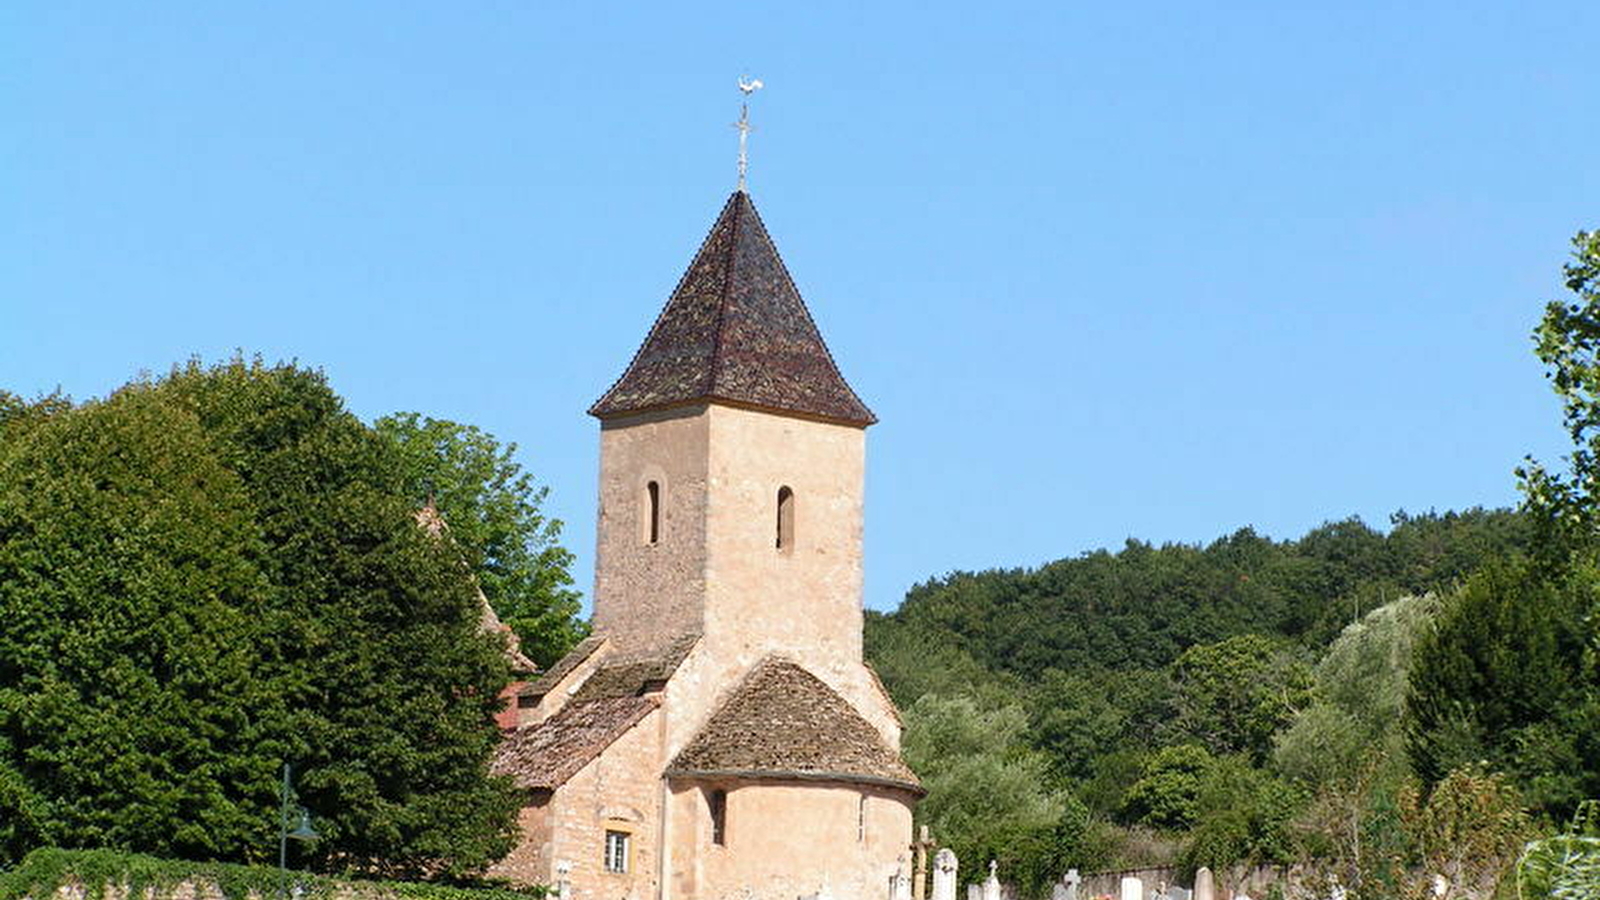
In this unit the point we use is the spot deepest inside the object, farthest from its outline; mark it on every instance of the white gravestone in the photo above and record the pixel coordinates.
(1132, 888)
(1205, 887)
(945, 867)
(991, 885)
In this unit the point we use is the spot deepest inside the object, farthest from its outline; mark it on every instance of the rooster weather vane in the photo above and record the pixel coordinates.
(747, 86)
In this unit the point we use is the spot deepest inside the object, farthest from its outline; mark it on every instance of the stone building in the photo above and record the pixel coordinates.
(719, 735)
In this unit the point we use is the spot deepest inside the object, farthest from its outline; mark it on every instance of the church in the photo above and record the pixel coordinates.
(719, 734)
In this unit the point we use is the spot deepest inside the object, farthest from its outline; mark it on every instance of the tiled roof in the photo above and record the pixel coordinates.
(574, 658)
(784, 722)
(735, 329)
(545, 755)
(628, 675)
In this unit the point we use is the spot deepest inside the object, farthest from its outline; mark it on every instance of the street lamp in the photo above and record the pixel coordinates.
(302, 829)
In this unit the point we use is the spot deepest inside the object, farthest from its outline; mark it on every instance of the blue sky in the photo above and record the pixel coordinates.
(1151, 270)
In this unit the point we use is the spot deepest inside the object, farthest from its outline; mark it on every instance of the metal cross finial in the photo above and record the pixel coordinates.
(747, 87)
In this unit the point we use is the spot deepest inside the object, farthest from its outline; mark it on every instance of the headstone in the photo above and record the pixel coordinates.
(899, 887)
(1132, 888)
(974, 892)
(1204, 887)
(1441, 885)
(945, 867)
(1067, 888)
(563, 886)
(1178, 893)
(991, 885)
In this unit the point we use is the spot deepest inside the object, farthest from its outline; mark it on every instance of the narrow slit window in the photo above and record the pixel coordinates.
(785, 539)
(861, 820)
(719, 817)
(652, 512)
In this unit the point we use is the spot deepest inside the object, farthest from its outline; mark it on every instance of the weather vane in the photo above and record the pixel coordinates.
(746, 87)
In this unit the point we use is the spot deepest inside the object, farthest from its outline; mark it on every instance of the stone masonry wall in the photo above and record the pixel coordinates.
(647, 594)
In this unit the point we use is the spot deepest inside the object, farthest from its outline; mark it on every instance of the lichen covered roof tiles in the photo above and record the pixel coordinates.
(784, 722)
(736, 330)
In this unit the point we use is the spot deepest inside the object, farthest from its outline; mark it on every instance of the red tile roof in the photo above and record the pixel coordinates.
(736, 330)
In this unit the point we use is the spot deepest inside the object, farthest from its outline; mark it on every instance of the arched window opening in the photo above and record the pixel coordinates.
(785, 518)
(719, 817)
(652, 500)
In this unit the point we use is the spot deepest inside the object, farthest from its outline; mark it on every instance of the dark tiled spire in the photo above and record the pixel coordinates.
(736, 330)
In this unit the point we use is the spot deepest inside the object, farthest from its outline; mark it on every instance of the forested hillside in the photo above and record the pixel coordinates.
(1174, 704)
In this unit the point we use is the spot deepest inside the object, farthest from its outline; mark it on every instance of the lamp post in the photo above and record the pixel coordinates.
(302, 829)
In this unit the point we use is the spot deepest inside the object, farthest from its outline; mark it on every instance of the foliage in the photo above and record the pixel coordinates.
(493, 511)
(1232, 695)
(213, 573)
(1076, 716)
(1244, 814)
(1469, 830)
(1359, 690)
(1168, 789)
(988, 795)
(44, 870)
(1564, 866)
(1567, 341)
(1504, 678)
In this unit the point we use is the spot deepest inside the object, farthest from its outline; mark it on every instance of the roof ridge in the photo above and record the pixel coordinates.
(736, 329)
(727, 284)
(655, 323)
(806, 309)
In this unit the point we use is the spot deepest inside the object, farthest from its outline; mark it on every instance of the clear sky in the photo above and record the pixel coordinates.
(1102, 270)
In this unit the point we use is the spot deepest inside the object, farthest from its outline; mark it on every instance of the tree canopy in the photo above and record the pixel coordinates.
(493, 511)
(212, 573)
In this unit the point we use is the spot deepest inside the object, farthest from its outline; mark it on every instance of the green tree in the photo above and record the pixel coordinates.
(1567, 341)
(989, 796)
(492, 508)
(216, 572)
(1234, 694)
(1360, 690)
(1507, 677)
(1242, 814)
(1167, 793)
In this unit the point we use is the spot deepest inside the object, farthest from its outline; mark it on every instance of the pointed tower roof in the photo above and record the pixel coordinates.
(736, 330)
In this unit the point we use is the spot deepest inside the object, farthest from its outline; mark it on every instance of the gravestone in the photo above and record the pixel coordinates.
(991, 885)
(563, 886)
(1204, 886)
(1067, 888)
(974, 892)
(1132, 888)
(945, 867)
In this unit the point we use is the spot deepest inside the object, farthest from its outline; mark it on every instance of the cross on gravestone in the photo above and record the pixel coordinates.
(991, 885)
(1067, 888)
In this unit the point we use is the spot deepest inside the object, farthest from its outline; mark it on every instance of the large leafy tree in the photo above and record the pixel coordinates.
(211, 574)
(1234, 694)
(1568, 343)
(493, 510)
(989, 797)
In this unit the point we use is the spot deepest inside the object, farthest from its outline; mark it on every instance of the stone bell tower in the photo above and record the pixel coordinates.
(731, 462)
(718, 734)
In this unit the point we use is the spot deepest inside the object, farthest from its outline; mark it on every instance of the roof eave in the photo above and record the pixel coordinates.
(608, 416)
(800, 775)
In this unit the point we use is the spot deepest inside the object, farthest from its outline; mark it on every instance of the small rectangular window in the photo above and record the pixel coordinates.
(617, 852)
(719, 817)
